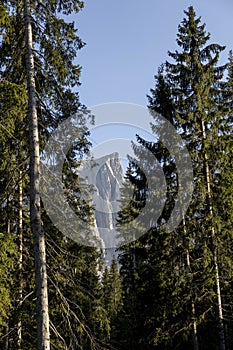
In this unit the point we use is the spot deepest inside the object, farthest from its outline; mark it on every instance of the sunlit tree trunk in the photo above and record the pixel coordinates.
(213, 236)
(35, 214)
(193, 311)
(20, 245)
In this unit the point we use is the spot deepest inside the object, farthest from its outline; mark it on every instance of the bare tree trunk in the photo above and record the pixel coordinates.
(20, 240)
(6, 343)
(195, 338)
(215, 252)
(8, 228)
(193, 311)
(35, 213)
(194, 335)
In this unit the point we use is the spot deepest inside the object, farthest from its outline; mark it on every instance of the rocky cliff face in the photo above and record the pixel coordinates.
(106, 176)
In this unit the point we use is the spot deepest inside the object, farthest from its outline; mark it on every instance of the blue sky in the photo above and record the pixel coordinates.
(127, 40)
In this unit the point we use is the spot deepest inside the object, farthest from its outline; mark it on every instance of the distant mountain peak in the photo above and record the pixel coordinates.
(106, 176)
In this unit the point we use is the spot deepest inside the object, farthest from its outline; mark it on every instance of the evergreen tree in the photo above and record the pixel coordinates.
(195, 86)
(13, 160)
(223, 200)
(112, 300)
(8, 259)
(181, 274)
(52, 43)
(195, 89)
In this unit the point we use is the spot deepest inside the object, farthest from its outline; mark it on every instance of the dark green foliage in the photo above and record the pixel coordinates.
(112, 301)
(8, 263)
(76, 311)
(169, 281)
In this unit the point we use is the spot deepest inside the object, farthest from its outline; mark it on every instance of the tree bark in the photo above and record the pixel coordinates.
(35, 212)
(6, 343)
(214, 245)
(193, 311)
(20, 244)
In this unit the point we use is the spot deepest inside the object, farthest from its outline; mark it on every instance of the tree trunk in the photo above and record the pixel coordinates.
(193, 311)
(20, 240)
(6, 343)
(213, 236)
(35, 213)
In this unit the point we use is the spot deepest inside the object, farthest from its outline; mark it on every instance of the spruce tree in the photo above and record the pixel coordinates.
(112, 300)
(13, 106)
(195, 104)
(38, 31)
(195, 86)
(186, 290)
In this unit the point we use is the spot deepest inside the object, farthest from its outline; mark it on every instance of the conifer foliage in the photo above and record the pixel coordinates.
(180, 285)
(38, 48)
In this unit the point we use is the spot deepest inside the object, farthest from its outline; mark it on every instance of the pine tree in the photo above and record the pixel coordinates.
(8, 259)
(161, 102)
(112, 300)
(193, 91)
(223, 199)
(181, 275)
(52, 43)
(195, 83)
(12, 120)
(132, 330)
(43, 333)
(152, 284)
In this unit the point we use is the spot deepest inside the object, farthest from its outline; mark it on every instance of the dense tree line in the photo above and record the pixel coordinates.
(177, 286)
(174, 288)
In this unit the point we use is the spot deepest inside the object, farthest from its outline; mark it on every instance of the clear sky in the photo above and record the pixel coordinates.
(127, 40)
